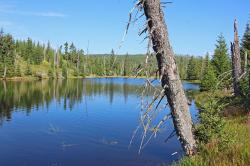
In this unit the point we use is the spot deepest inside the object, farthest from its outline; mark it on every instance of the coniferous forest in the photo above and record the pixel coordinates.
(22, 58)
(27, 58)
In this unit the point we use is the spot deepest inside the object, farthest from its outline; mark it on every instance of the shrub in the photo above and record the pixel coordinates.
(211, 123)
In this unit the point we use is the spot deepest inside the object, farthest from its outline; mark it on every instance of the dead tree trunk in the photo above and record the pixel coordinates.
(245, 62)
(236, 61)
(170, 78)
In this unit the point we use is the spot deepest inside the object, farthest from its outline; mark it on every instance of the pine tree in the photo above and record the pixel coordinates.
(192, 69)
(29, 50)
(112, 62)
(66, 51)
(221, 60)
(205, 63)
(38, 54)
(245, 43)
(209, 80)
(7, 56)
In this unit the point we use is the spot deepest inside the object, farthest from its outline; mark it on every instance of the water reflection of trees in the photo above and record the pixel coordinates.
(27, 96)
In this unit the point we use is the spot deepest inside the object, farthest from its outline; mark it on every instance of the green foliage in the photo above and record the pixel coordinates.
(72, 61)
(76, 73)
(209, 79)
(245, 43)
(28, 71)
(221, 60)
(232, 148)
(18, 71)
(194, 68)
(191, 66)
(211, 124)
(64, 72)
(7, 56)
(245, 85)
(222, 141)
(51, 73)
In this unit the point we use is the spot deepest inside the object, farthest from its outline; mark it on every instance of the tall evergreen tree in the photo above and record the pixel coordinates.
(112, 62)
(28, 50)
(192, 69)
(245, 43)
(209, 79)
(221, 59)
(7, 56)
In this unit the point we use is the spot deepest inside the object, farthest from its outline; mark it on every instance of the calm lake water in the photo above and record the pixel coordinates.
(85, 122)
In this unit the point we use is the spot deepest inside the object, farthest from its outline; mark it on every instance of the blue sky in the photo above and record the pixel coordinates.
(193, 25)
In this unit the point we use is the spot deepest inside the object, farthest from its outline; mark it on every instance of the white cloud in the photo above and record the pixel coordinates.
(8, 9)
(42, 14)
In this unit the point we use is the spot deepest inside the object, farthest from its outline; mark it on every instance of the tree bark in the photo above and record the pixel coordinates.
(236, 61)
(170, 78)
(245, 62)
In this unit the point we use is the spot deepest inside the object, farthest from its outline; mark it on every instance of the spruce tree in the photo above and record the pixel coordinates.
(221, 60)
(245, 43)
(209, 80)
(29, 50)
(205, 63)
(112, 62)
(192, 69)
(7, 56)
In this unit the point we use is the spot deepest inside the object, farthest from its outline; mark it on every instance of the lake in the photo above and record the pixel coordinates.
(79, 122)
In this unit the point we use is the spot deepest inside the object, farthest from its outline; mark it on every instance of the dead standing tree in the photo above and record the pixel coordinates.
(236, 61)
(169, 74)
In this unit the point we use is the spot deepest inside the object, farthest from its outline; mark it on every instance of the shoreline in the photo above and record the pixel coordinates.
(31, 78)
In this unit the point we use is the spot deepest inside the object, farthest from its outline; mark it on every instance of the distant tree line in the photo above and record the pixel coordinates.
(29, 58)
(20, 58)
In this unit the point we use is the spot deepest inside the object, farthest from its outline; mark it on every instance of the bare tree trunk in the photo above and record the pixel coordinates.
(170, 78)
(236, 61)
(245, 62)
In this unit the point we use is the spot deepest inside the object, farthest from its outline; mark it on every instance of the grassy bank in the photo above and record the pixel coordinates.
(230, 145)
